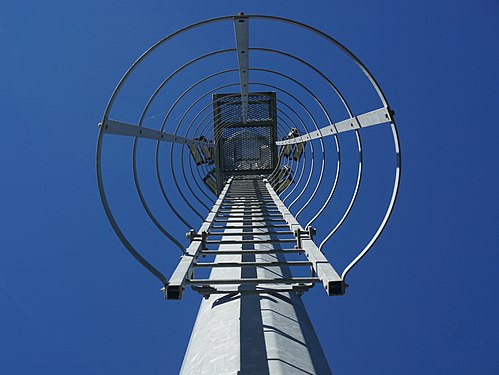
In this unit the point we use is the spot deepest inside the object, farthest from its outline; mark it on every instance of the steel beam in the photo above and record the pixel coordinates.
(183, 272)
(332, 282)
(376, 117)
(131, 130)
(252, 318)
(241, 24)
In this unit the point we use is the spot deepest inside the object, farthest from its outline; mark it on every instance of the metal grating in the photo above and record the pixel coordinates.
(244, 149)
(261, 107)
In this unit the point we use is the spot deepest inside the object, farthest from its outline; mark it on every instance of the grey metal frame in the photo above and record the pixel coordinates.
(376, 117)
(131, 130)
(175, 287)
(332, 282)
(241, 26)
(354, 122)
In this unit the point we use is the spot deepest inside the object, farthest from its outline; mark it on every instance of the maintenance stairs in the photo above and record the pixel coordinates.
(251, 243)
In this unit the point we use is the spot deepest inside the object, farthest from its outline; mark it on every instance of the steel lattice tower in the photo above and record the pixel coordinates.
(249, 150)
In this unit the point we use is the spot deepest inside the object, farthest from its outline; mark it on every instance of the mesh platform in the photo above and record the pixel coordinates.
(245, 148)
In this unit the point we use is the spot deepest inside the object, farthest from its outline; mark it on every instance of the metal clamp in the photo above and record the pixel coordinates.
(309, 232)
(193, 236)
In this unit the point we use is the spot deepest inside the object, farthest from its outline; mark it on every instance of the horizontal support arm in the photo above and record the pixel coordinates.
(241, 30)
(376, 117)
(123, 128)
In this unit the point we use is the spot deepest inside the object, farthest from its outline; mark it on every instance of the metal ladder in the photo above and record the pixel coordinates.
(252, 235)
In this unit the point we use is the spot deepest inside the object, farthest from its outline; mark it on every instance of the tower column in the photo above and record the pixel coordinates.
(254, 334)
(247, 331)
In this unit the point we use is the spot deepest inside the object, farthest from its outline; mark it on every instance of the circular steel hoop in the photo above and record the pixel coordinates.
(211, 113)
(205, 124)
(308, 28)
(202, 57)
(301, 104)
(195, 132)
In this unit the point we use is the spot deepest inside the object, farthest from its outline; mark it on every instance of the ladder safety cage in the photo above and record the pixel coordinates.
(245, 159)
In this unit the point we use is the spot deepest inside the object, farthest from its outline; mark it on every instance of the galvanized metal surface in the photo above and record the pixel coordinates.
(376, 117)
(177, 283)
(241, 27)
(332, 282)
(131, 130)
(251, 284)
(254, 334)
(244, 148)
(253, 329)
(244, 191)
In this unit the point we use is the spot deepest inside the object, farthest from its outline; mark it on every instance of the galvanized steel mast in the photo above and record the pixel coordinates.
(250, 259)
(253, 320)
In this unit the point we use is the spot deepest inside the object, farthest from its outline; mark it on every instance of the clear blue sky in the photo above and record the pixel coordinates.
(72, 301)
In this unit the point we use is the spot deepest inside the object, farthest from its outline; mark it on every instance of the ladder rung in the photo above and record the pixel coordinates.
(254, 202)
(251, 214)
(252, 264)
(245, 210)
(252, 191)
(238, 203)
(251, 251)
(245, 206)
(283, 280)
(255, 189)
(247, 221)
(250, 233)
(246, 213)
(236, 242)
(249, 226)
(247, 196)
(245, 199)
